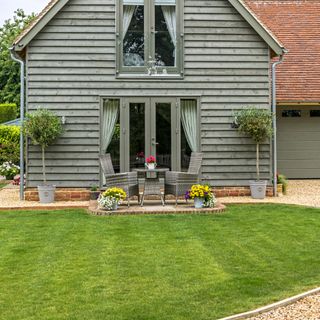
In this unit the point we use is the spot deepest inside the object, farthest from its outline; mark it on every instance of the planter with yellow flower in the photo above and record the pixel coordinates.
(111, 198)
(202, 195)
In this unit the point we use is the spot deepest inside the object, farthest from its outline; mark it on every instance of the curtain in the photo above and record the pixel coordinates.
(109, 120)
(128, 12)
(169, 13)
(189, 122)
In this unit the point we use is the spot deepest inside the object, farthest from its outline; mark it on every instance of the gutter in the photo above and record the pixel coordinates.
(16, 58)
(274, 122)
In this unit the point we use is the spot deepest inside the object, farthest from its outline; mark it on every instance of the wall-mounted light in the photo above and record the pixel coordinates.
(63, 119)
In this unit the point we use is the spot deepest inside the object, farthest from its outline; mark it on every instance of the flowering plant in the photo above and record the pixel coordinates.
(204, 192)
(151, 159)
(9, 170)
(111, 198)
(140, 154)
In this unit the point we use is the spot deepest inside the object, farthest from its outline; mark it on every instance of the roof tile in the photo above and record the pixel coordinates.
(296, 23)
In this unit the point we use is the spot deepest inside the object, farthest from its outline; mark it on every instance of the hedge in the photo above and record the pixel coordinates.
(9, 144)
(8, 112)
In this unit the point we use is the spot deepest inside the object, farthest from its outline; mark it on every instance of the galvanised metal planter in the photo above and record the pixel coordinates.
(46, 193)
(198, 203)
(258, 189)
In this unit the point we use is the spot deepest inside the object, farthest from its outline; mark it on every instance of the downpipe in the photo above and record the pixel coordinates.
(16, 58)
(274, 124)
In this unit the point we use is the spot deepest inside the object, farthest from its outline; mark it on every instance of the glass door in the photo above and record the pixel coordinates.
(163, 132)
(150, 127)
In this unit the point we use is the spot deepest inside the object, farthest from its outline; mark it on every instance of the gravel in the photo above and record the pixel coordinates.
(9, 198)
(300, 192)
(305, 309)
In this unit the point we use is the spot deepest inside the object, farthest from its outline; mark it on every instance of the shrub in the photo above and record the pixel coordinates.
(9, 144)
(257, 124)
(283, 180)
(8, 112)
(43, 127)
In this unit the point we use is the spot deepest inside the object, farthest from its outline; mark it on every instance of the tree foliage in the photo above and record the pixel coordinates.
(9, 69)
(257, 124)
(43, 127)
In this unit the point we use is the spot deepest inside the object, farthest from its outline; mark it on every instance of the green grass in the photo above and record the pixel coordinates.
(2, 185)
(69, 265)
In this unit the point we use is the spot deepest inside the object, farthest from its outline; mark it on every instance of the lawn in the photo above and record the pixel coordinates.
(2, 185)
(69, 265)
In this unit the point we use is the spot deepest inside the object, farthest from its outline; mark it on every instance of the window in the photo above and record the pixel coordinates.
(149, 37)
(291, 114)
(314, 113)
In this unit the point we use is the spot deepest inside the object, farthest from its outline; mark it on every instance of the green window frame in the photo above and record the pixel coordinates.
(149, 69)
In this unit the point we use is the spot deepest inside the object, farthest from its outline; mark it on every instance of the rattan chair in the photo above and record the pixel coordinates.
(178, 183)
(128, 181)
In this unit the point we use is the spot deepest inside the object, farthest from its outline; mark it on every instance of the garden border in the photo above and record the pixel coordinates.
(273, 306)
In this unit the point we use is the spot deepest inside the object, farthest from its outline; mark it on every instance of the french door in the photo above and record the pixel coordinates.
(150, 127)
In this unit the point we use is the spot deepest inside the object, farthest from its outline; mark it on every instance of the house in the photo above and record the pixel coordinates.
(145, 77)
(296, 23)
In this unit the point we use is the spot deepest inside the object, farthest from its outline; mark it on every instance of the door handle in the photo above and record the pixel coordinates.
(155, 143)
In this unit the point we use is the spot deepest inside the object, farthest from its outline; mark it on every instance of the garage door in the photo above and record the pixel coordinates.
(299, 142)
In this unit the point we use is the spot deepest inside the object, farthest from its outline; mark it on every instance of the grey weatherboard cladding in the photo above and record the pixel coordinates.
(71, 64)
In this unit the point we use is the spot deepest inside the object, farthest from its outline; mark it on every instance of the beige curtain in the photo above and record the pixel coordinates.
(109, 120)
(128, 12)
(189, 121)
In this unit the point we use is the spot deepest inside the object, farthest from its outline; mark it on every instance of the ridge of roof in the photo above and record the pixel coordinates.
(34, 23)
(55, 5)
(274, 43)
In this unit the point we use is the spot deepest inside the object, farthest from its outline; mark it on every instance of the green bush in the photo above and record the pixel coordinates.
(43, 127)
(9, 144)
(257, 124)
(8, 112)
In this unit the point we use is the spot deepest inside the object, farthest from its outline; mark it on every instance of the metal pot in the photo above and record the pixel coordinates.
(46, 193)
(258, 189)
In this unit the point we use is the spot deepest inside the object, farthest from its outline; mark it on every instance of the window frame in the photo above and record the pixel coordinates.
(149, 45)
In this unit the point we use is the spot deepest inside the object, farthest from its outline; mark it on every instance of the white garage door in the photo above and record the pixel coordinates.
(299, 142)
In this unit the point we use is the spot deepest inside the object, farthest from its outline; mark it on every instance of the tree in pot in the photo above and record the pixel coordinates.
(257, 124)
(43, 127)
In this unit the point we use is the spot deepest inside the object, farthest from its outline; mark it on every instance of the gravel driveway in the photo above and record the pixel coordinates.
(305, 309)
(300, 192)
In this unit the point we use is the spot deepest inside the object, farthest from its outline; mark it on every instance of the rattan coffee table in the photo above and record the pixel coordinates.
(152, 184)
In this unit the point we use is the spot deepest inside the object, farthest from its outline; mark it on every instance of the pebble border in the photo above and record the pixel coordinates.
(273, 306)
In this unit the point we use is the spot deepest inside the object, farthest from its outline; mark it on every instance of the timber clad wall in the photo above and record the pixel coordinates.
(71, 64)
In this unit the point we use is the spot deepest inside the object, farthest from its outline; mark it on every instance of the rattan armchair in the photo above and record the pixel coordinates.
(128, 181)
(178, 183)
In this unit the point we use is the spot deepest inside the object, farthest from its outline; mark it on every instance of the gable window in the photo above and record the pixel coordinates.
(149, 37)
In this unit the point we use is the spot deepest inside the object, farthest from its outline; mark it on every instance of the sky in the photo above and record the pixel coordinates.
(7, 7)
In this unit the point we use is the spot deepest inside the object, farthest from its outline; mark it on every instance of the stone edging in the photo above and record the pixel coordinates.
(167, 210)
(272, 306)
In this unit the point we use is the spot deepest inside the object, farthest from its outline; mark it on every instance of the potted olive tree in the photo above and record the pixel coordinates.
(43, 127)
(257, 124)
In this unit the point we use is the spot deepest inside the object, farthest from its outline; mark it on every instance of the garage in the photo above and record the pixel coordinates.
(299, 141)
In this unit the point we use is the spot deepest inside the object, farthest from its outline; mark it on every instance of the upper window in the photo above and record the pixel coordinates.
(149, 37)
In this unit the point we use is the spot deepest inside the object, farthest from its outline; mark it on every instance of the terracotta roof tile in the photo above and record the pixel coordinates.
(296, 23)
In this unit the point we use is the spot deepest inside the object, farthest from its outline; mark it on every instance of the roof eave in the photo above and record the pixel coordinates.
(41, 21)
(258, 26)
